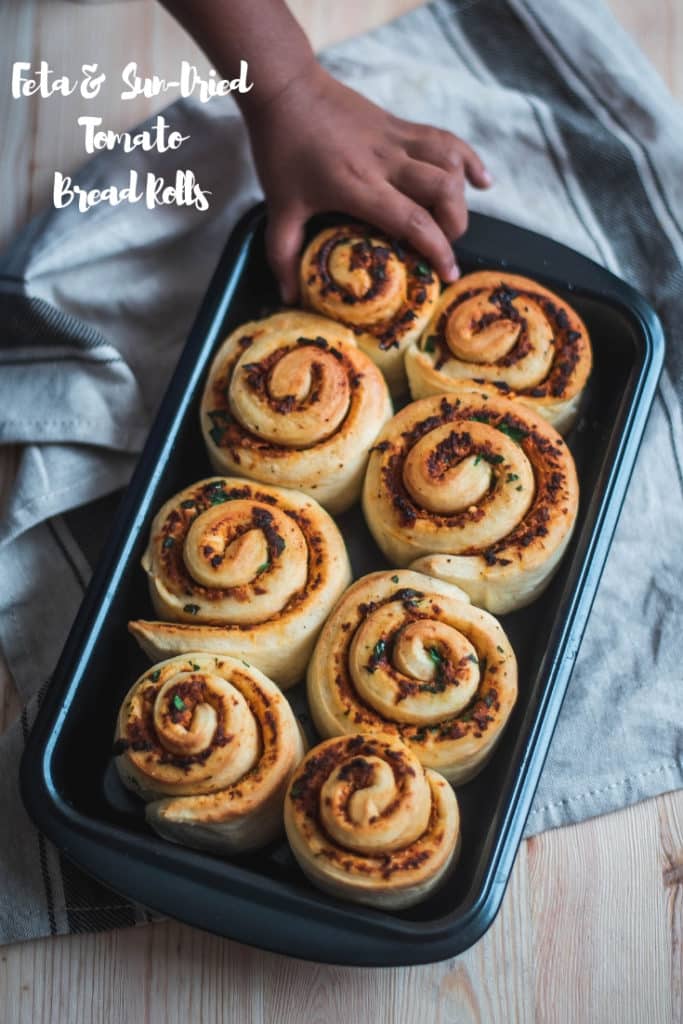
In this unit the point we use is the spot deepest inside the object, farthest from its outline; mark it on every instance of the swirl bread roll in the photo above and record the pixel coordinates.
(292, 401)
(409, 655)
(210, 744)
(368, 823)
(382, 291)
(242, 569)
(481, 485)
(510, 332)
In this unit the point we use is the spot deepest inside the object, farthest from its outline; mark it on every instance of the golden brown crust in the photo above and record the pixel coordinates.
(210, 744)
(510, 333)
(482, 486)
(242, 569)
(408, 655)
(367, 823)
(292, 401)
(382, 291)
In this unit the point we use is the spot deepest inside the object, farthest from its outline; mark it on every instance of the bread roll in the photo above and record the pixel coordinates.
(367, 823)
(210, 744)
(482, 491)
(383, 291)
(511, 333)
(292, 401)
(242, 569)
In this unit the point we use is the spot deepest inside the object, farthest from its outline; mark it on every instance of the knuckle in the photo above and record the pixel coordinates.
(353, 171)
(445, 187)
(381, 152)
(452, 154)
(417, 220)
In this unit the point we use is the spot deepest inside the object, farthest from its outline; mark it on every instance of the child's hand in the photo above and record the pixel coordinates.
(320, 146)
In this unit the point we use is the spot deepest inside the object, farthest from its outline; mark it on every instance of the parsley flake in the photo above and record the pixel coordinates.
(435, 655)
(514, 433)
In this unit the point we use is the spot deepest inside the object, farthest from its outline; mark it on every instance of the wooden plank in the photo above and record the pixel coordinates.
(602, 939)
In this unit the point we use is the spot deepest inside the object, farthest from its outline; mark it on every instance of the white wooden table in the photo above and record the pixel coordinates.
(591, 928)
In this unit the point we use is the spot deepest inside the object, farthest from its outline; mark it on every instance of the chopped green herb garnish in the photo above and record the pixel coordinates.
(435, 687)
(478, 460)
(195, 666)
(178, 702)
(191, 609)
(394, 579)
(168, 542)
(495, 459)
(514, 433)
(190, 503)
(423, 271)
(262, 567)
(511, 477)
(430, 343)
(519, 488)
(435, 656)
(473, 658)
(217, 496)
(500, 649)
(245, 662)
(216, 434)
(296, 789)
(154, 676)
(379, 649)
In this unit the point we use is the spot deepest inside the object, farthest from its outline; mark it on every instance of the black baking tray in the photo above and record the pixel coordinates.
(69, 783)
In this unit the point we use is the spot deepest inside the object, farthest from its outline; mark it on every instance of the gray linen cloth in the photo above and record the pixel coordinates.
(584, 143)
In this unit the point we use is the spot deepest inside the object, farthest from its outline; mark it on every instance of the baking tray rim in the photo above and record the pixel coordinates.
(63, 822)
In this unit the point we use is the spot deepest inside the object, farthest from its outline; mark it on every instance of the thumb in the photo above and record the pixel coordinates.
(284, 238)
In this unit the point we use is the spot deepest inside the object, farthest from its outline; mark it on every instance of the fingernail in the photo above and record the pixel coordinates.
(453, 273)
(487, 178)
(286, 295)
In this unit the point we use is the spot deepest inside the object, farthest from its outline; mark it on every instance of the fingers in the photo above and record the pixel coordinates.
(284, 238)
(400, 216)
(434, 146)
(441, 191)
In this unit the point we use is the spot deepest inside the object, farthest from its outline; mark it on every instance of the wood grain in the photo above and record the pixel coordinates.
(591, 929)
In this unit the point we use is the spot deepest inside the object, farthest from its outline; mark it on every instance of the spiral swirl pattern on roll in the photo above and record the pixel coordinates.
(508, 331)
(242, 569)
(407, 654)
(210, 744)
(383, 291)
(290, 398)
(481, 485)
(366, 822)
